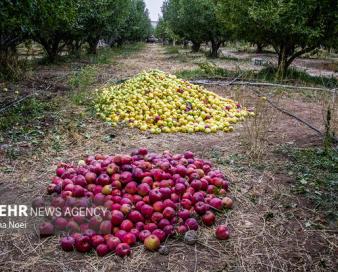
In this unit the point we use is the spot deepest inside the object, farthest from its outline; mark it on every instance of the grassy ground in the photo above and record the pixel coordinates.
(283, 184)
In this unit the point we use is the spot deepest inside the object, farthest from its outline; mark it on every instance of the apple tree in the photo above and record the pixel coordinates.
(14, 29)
(195, 21)
(51, 23)
(291, 27)
(136, 26)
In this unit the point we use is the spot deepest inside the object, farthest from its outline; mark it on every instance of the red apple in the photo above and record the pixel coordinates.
(112, 169)
(95, 222)
(102, 250)
(135, 216)
(46, 229)
(126, 225)
(60, 223)
(147, 210)
(208, 218)
(99, 199)
(180, 188)
(169, 203)
(181, 229)
(97, 240)
(155, 195)
(117, 217)
(103, 180)
(143, 189)
(166, 192)
(148, 180)
(200, 208)
(105, 227)
(150, 226)
(160, 234)
(120, 234)
(168, 230)
(80, 180)
(126, 177)
(186, 204)
(216, 203)
(90, 177)
(158, 206)
(222, 232)
(82, 244)
(139, 226)
(184, 214)
(129, 238)
(168, 212)
(60, 171)
(144, 234)
(156, 217)
(163, 223)
(112, 243)
(122, 250)
(67, 243)
(191, 224)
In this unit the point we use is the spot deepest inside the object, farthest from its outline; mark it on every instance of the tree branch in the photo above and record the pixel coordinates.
(299, 53)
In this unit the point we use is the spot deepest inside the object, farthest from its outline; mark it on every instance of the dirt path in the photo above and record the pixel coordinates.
(152, 57)
(268, 222)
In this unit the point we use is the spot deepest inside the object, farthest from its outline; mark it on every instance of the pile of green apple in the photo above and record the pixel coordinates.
(159, 102)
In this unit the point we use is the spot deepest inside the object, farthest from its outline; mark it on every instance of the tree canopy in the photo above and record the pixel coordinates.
(195, 21)
(59, 24)
(291, 27)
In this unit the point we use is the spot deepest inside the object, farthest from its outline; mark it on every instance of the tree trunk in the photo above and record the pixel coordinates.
(92, 46)
(286, 55)
(283, 63)
(259, 48)
(215, 45)
(52, 50)
(196, 47)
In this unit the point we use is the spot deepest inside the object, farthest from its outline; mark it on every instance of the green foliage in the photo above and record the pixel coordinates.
(13, 30)
(292, 27)
(101, 18)
(295, 76)
(50, 24)
(195, 21)
(164, 32)
(25, 122)
(80, 82)
(269, 74)
(137, 26)
(62, 25)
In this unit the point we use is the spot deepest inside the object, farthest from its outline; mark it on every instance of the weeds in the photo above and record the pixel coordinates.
(24, 113)
(171, 50)
(295, 76)
(256, 128)
(11, 68)
(206, 70)
(106, 55)
(80, 82)
(330, 116)
(210, 70)
(316, 173)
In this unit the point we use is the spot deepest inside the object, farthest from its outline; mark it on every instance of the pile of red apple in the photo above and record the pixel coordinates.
(146, 197)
